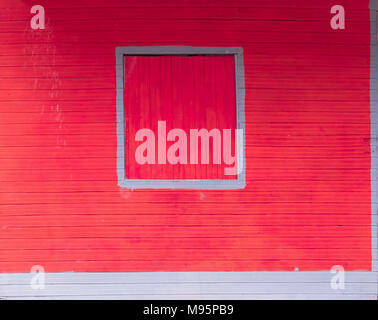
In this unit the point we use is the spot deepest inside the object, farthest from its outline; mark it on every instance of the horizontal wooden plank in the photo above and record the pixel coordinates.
(220, 254)
(338, 82)
(251, 116)
(309, 243)
(269, 105)
(101, 152)
(269, 129)
(254, 94)
(161, 196)
(165, 265)
(159, 18)
(32, 49)
(272, 175)
(232, 219)
(171, 231)
(88, 140)
(254, 163)
(255, 186)
(200, 3)
(54, 71)
(166, 34)
(250, 57)
(199, 201)
(185, 10)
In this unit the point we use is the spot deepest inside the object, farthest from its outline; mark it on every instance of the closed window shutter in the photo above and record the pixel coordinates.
(187, 92)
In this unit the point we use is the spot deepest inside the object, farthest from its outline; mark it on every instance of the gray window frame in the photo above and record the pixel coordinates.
(124, 182)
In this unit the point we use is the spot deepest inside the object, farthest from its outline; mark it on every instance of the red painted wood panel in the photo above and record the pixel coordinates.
(307, 202)
(183, 92)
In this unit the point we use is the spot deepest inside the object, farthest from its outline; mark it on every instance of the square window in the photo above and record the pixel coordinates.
(180, 117)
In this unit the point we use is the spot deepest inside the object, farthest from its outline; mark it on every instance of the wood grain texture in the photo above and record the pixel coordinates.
(307, 203)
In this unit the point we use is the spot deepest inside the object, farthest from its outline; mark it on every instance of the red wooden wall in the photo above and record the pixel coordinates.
(307, 200)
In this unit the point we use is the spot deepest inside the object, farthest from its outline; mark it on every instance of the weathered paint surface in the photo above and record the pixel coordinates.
(179, 91)
(307, 201)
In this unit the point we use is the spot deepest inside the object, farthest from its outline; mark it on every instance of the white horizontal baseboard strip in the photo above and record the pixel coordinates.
(190, 285)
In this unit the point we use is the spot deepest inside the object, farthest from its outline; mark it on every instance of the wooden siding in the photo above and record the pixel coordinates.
(307, 202)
